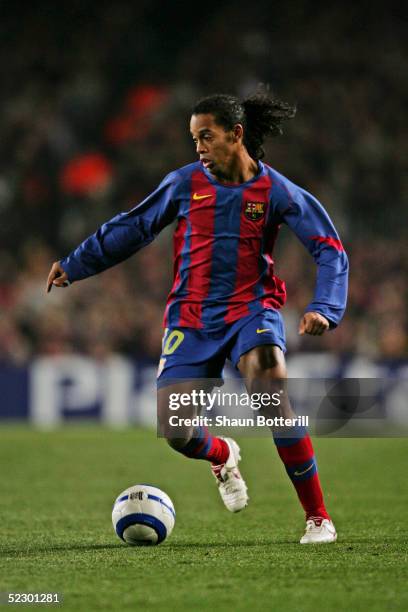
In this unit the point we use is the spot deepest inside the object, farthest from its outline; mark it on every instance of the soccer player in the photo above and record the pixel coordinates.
(225, 298)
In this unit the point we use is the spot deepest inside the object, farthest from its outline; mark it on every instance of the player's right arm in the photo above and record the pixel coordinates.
(119, 238)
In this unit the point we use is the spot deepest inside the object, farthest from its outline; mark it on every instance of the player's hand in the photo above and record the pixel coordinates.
(57, 277)
(313, 323)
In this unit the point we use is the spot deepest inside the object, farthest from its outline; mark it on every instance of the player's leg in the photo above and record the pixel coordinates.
(196, 442)
(184, 367)
(191, 362)
(264, 370)
(174, 416)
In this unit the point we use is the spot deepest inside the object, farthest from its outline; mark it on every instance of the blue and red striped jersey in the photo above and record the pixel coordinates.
(223, 244)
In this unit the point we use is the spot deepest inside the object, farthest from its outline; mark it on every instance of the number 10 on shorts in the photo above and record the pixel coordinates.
(171, 341)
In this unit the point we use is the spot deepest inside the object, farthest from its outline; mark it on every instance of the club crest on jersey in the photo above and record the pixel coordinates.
(254, 210)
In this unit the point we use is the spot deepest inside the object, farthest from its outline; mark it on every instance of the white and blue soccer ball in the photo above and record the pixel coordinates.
(143, 515)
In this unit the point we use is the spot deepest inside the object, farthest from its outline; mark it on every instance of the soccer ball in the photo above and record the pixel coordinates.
(143, 515)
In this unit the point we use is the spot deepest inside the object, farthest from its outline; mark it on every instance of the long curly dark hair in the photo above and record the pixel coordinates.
(261, 115)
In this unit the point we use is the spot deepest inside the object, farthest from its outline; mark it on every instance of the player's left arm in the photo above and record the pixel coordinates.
(311, 223)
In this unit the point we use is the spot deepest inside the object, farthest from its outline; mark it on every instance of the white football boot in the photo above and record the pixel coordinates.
(319, 531)
(231, 485)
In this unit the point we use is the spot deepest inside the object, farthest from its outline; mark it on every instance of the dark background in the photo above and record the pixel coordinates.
(95, 102)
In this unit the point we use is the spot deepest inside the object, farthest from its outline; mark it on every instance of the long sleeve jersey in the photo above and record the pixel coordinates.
(223, 244)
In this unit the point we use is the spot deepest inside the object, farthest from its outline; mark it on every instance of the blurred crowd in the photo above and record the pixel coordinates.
(94, 116)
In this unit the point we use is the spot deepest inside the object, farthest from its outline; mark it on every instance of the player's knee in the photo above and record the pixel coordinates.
(178, 444)
(262, 362)
(176, 437)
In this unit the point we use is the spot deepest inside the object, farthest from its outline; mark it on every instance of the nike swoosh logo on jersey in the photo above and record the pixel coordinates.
(304, 471)
(196, 196)
(261, 331)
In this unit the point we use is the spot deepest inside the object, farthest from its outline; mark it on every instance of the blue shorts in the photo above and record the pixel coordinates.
(191, 354)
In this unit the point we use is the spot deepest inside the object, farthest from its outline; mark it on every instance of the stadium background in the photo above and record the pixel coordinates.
(94, 112)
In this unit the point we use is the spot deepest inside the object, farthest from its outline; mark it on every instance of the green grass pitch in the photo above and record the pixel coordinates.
(57, 490)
